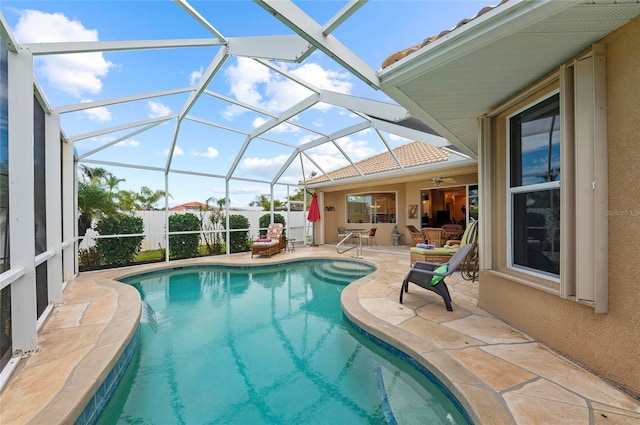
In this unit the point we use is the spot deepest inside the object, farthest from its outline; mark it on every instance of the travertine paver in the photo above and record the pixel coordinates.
(374, 290)
(546, 403)
(497, 373)
(545, 363)
(487, 329)
(387, 310)
(441, 336)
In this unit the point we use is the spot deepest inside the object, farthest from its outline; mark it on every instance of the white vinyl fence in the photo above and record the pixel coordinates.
(154, 226)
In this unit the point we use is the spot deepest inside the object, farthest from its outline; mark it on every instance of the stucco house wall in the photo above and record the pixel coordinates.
(609, 343)
(338, 217)
(408, 192)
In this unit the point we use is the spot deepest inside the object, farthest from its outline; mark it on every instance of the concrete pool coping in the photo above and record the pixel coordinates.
(500, 375)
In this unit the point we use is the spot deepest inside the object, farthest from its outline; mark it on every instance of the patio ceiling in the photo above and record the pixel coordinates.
(451, 81)
(264, 133)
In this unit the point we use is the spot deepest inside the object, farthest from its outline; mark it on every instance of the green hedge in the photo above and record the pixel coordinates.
(119, 250)
(238, 240)
(184, 246)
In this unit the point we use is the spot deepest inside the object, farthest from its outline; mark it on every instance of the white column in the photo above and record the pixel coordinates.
(53, 167)
(69, 218)
(21, 202)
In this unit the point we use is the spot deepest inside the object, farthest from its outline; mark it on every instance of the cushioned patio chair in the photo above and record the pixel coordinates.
(443, 254)
(431, 275)
(370, 236)
(272, 244)
(342, 233)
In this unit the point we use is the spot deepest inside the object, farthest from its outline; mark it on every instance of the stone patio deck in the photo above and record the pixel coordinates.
(501, 375)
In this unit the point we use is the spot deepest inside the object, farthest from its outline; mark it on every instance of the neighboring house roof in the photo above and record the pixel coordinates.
(452, 79)
(403, 53)
(409, 155)
(189, 206)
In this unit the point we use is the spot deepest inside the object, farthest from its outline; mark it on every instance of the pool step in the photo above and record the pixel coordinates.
(340, 273)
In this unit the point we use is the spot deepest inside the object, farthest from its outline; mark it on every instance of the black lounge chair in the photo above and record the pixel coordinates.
(422, 274)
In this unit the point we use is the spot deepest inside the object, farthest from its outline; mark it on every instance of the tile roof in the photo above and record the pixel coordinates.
(189, 206)
(409, 155)
(406, 52)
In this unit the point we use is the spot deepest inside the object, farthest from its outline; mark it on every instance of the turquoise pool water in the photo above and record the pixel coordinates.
(265, 345)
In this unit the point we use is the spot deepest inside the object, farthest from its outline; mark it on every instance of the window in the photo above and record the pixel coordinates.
(371, 208)
(534, 187)
(472, 197)
(553, 132)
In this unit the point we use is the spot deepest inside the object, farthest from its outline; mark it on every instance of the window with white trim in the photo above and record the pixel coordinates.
(371, 208)
(534, 187)
(561, 137)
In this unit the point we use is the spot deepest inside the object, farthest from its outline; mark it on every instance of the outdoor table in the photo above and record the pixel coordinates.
(356, 233)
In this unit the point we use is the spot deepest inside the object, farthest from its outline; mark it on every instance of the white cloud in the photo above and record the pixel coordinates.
(255, 84)
(211, 152)
(232, 111)
(101, 113)
(74, 74)
(245, 79)
(263, 167)
(324, 78)
(281, 128)
(258, 121)
(177, 151)
(356, 149)
(310, 137)
(195, 76)
(129, 143)
(157, 109)
(396, 138)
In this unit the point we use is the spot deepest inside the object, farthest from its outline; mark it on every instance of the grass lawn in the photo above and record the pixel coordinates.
(156, 254)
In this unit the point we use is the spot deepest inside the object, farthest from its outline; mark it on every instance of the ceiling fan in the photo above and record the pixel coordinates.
(437, 181)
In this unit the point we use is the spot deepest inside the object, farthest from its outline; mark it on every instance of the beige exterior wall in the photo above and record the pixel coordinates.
(608, 344)
(338, 217)
(407, 190)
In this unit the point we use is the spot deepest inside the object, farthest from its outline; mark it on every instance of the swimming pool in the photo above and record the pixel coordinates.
(265, 345)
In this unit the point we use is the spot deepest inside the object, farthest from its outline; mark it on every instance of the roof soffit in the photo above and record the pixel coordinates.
(452, 81)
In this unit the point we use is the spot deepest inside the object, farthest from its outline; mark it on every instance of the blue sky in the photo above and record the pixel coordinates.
(377, 30)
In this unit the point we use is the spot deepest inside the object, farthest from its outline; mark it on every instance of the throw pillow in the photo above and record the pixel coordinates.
(436, 279)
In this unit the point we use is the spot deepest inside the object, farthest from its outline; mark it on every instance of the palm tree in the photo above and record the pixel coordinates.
(127, 200)
(112, 183)
(94, 174)
(147, 198)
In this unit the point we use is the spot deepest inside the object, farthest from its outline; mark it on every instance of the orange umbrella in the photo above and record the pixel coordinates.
(314, 215)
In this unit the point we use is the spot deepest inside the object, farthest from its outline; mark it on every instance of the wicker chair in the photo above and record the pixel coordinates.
(434, 236)
(416, 235)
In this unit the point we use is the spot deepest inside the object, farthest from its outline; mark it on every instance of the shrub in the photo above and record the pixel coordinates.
(265, 220)
(184, 246)
(89, 257)
(238, 240)
(119, 250)
(212, 220)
